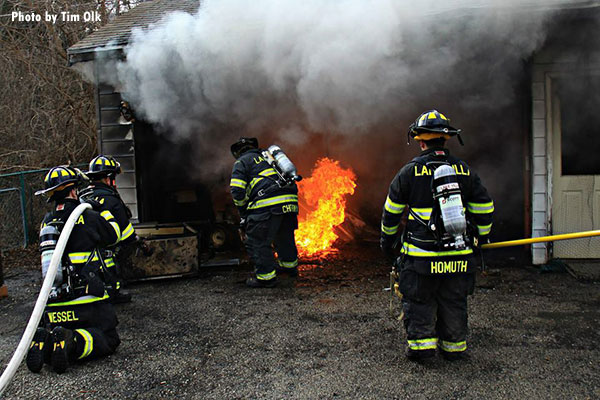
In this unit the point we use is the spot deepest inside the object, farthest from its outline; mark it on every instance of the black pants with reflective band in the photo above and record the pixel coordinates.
(115, 265)
(94, 324)
(265, 230)
(111, 274)
(435, 310)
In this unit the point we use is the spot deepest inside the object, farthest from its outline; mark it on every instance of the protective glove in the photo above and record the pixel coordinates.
(386, 245)
(242, 229)
(479, 241)
(143, 246)
(96, 206)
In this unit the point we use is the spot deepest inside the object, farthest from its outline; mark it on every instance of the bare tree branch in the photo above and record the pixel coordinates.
(47, 109)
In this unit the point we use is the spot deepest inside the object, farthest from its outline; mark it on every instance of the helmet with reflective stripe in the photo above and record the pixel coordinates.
(103, 166)
(243, 145)
(432, 124)
(58, 180)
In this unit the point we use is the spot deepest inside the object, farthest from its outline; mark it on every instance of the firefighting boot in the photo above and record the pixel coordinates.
(289, 268)
(254, 282)
(39, 350)
(291, 272)
(454, 356)
(64, 349)
(119, 297)
(418, 355)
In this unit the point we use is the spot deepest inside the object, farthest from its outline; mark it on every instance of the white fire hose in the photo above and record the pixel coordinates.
(40, 304)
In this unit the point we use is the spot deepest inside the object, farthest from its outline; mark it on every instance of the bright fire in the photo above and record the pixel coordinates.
(324, 194)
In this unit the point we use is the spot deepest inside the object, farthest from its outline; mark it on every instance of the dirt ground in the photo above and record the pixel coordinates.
(326, 335)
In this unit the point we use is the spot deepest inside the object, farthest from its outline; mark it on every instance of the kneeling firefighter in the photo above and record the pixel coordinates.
(263, 187)
(437, 262)
(103, 171)
(78, 322)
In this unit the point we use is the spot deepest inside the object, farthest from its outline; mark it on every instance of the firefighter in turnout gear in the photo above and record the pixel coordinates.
(448, 214)
(103, 171)
(78, 322)
(264, 190)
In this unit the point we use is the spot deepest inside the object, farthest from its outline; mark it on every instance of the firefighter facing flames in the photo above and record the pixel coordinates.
(264, 190)
(437, 264)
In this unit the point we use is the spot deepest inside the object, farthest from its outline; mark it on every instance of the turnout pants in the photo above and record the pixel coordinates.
(114, 263)
(435, 310)
(112, 276)
(94, 325)
(265, 230)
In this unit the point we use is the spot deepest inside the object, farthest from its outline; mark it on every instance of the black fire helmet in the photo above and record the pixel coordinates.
(243, 145)
(59, 181)
(432, 124)
(103, 166)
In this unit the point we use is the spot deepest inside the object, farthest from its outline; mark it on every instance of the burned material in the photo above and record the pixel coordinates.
(165, 257)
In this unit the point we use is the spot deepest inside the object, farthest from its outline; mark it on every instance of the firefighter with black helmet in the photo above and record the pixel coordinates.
(78, 321)
(448, 214)
(264, 190)
(102, 171)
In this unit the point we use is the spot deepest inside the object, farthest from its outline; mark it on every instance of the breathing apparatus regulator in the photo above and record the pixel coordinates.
(447, 195)
(279, 161)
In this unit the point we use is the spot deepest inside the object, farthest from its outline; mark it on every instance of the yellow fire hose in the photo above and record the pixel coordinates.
(551, 238)
(394, 289)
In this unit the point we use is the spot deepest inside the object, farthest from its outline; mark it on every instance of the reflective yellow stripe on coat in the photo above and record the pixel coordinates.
(415, 251)
(286, 198)
(107, 215)
(480, 208)
(127, 232)
(82, 257)
(389, 230)
(394, 208)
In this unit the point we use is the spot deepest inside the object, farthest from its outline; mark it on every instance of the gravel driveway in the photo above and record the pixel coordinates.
(326, 335)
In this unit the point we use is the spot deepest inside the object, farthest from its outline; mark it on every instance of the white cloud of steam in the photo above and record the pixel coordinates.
(327, 66)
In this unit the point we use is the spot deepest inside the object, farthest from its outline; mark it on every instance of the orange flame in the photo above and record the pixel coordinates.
(324, 194)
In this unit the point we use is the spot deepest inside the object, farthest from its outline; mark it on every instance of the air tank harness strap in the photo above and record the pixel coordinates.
(417, 217)
(269, 190)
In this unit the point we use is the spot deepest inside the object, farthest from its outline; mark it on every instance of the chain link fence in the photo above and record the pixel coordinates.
(20, 211)
(12, 229)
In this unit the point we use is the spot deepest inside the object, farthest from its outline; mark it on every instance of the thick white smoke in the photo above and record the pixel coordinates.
(323, 66)
(350, 74)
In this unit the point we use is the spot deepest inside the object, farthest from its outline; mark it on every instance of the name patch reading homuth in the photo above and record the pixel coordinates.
(448, 267)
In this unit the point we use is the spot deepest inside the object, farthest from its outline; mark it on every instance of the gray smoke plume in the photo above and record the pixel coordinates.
(341, 78)
(323, 66)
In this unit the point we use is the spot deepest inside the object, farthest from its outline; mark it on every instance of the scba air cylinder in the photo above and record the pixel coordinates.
(48, 238)
(447, 192)
(285, 164)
